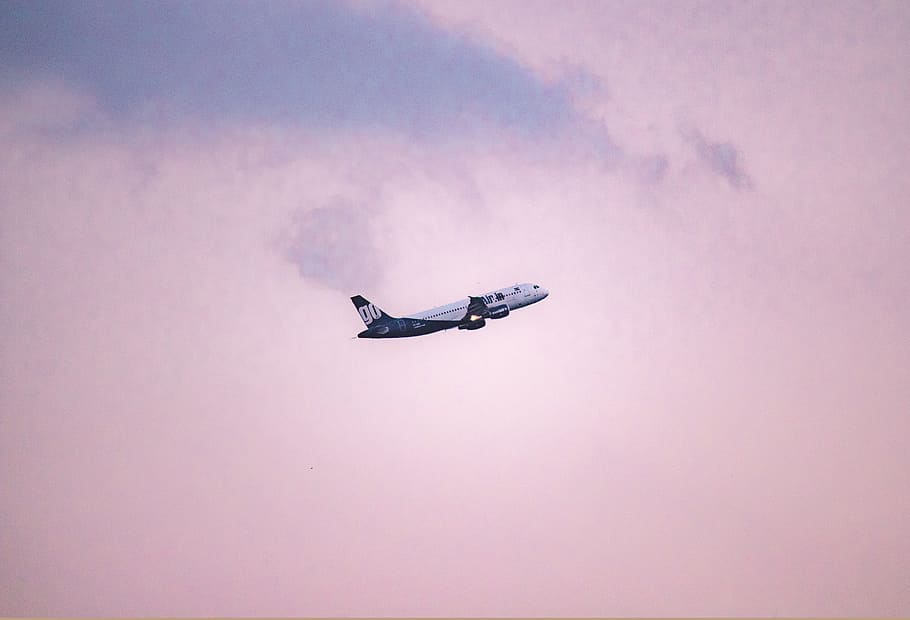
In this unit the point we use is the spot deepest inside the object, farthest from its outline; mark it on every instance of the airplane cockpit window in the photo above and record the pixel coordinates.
(535, 286)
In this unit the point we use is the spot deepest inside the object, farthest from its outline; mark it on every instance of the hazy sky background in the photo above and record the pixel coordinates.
(708, 416)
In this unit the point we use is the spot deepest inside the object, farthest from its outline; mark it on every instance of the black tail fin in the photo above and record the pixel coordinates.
(369, 312)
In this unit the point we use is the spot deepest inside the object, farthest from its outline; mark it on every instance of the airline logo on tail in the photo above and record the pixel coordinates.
(369, 313)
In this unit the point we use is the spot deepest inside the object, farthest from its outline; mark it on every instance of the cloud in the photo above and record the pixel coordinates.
(652, 169)
(43, 106)
(721, 158)
(315, 63)
(333, 246)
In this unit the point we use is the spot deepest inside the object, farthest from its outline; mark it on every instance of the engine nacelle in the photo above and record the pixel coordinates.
(499, 312)
(473, 324)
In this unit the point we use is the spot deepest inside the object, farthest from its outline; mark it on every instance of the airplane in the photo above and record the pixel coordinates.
(470, 313)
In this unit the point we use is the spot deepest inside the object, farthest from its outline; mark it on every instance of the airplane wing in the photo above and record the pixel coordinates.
(477, 307)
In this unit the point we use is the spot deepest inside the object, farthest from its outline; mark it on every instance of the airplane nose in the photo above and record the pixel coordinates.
(544, 293)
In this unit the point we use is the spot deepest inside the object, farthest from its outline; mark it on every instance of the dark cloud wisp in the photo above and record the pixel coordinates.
(333, 246)
(722, 158)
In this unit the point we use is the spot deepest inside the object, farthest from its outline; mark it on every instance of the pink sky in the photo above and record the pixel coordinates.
(708, 415)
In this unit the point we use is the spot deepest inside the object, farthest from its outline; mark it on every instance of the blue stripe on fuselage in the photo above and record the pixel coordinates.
(405, 328)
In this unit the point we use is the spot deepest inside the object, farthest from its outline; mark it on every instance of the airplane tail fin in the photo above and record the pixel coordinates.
(370, 313)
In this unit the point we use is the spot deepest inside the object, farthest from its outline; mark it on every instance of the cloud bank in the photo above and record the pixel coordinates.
(314, 63)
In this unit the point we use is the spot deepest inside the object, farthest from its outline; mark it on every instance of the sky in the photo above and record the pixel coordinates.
(708, 415)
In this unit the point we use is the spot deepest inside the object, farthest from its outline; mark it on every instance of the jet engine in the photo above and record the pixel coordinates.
(473, 324)
(499, 312)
